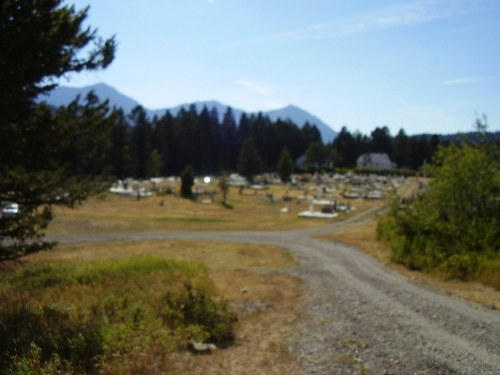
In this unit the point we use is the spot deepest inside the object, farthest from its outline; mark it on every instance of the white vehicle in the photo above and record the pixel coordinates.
(9, 210)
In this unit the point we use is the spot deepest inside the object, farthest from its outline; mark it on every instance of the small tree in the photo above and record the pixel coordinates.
(249, 161)
(285, 165)
(187, 182)
(224, 187)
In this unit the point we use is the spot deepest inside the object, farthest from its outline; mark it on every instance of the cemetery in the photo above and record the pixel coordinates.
(265, 204)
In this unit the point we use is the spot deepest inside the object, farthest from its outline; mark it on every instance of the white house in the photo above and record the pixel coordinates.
(375, 161)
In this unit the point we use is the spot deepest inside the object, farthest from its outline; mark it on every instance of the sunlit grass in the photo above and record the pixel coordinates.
(252, 210)
(215, 255)
(264, 301)
(87, 315)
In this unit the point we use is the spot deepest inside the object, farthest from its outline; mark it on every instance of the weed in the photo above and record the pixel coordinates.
(72, 318)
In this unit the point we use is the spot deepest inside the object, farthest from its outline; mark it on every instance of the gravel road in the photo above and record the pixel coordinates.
(362, 318)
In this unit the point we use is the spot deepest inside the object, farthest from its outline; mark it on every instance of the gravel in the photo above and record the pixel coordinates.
(362, 318)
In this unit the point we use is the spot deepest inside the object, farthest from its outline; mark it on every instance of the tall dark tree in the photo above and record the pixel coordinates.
(261, 136)
(166, 142)
(121, 158)
(141, 139)
(285, 166)
(311, 133)
(90, 125)
(228, 150)
(184, 133)
(381, 141)
(206, 127)
(401, 150)
(41, 41)
(418, 151)
(187, 182)
(244, 127)
(345, 148)
(249, 161)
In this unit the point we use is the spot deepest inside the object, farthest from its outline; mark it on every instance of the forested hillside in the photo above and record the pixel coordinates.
(144, 147)
(210, 142)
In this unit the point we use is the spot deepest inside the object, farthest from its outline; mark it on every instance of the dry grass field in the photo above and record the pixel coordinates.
(266, 300)
(251, 210)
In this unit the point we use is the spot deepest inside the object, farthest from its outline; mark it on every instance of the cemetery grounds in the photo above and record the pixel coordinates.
(257, 280)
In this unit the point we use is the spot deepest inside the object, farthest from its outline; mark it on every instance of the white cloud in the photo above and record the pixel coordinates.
(256, 87)
(463, 81)
(401, 15)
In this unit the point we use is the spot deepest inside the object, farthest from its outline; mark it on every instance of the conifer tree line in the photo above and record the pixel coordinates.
(135, 145)
(207, 141)
(211, 143)
(408, 152)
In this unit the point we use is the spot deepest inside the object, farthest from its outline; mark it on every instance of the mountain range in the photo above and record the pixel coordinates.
(63, 95)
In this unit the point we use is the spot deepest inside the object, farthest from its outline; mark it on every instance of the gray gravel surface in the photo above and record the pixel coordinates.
(362, 318)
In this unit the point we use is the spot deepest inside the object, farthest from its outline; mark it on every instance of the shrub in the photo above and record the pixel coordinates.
(58, 318)
(453, 227)
(207, 320)
(74, 340)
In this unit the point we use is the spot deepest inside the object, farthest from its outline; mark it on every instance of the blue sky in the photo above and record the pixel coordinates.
(421, 65)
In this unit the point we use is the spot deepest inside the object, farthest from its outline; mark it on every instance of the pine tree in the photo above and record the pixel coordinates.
(46, 158)
(249, 160)
(187, 182)
(285, 166)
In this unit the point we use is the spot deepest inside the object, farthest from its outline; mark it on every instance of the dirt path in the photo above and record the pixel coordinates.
(362, 318)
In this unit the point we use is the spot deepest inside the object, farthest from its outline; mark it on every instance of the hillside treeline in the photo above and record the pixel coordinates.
(408, 152)
(208, 141)
(135, 145)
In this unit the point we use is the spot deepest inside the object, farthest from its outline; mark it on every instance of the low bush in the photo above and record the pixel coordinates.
(453, 228)
(207, 320)
(79, 318)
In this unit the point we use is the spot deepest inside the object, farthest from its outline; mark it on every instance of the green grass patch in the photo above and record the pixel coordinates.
(67, 318)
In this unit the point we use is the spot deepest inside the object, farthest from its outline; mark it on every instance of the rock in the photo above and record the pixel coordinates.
(202, 348)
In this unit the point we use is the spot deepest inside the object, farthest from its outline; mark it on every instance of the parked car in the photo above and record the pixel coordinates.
(9, 210)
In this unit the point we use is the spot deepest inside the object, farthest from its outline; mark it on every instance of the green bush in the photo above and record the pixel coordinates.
(54, 332)
(207, 320)
(32, 364)
(453, 227)
(72, 318)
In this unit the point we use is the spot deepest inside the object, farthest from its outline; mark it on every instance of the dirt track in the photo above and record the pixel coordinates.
(362, 318)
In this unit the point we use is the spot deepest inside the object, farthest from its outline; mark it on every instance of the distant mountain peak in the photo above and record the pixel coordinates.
(63, 95)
